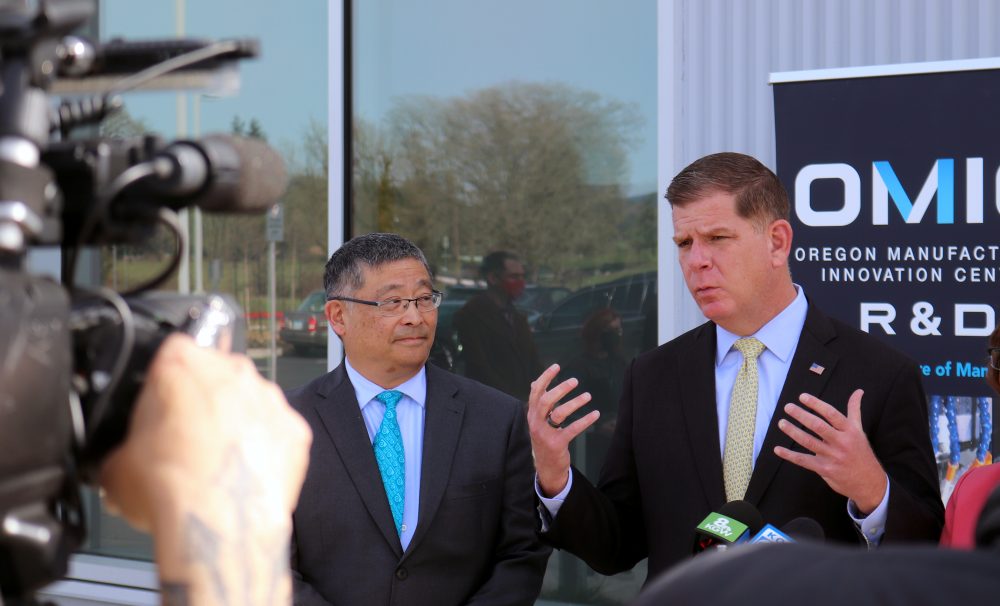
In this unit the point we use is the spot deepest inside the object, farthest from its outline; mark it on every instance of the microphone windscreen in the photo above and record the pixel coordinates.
(744, 512)
(253, 168)
(806, 529)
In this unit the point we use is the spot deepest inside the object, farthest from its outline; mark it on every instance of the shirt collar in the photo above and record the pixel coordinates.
(414, 388)
(779, 336)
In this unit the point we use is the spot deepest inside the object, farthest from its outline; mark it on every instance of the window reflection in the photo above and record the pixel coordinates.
(283, 102)
(473, 149)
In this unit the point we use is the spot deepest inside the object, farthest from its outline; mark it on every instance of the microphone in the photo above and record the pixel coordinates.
(806, 529)
(219, 173)
(770, 534)
(796, 529)
(733, 524)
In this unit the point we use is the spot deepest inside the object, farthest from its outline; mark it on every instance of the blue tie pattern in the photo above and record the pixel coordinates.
(388, 445)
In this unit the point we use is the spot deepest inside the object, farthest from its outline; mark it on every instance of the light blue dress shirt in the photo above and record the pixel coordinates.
(780, 337)
(410, 415)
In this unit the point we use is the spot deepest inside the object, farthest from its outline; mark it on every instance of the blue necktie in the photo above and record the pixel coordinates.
(388, 445)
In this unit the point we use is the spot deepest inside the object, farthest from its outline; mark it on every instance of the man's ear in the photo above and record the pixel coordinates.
(780, 241)
(334, 311)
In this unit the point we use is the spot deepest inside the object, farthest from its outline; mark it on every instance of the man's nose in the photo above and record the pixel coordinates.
(699, 256)
(412, 315)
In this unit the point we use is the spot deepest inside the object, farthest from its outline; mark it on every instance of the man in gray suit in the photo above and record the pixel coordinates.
(420, 483)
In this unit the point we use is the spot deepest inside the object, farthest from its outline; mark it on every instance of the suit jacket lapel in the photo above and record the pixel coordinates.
(816, 333)
(341, 416)
(442, 427)
(698, 400)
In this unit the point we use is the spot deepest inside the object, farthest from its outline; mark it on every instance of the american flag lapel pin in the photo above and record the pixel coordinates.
(816, 368)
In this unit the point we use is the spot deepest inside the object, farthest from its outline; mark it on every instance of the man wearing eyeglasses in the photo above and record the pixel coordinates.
(420, 486)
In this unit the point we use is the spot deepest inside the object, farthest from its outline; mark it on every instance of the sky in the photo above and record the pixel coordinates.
(447, 48)
(442, 48)
(284, 88)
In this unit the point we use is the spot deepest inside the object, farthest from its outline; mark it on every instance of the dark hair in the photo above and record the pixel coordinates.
(343, 272)
(595, 324)
(495, 262)
(760, 196)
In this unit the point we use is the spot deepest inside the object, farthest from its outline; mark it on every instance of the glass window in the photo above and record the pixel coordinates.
(577, 307)
(282, 101)
(314, 302)
(535, 137)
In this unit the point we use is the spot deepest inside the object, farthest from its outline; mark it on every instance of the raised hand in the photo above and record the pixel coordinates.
(549, 439)
(841, 455)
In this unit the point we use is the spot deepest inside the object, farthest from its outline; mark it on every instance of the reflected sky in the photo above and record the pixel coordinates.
(283, 89)
(441, 48)
(447, 48)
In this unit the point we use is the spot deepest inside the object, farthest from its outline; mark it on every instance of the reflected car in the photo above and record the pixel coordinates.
(557, 332)
(305, 328)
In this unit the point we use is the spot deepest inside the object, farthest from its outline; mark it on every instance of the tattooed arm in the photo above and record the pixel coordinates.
(212, 467)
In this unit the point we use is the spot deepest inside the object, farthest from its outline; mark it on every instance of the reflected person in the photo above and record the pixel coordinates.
(496, 339)
(599, 369)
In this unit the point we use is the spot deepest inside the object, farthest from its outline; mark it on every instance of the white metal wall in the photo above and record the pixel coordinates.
(715, 57)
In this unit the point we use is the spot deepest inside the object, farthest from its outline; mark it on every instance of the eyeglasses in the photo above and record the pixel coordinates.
(397, 306)
(994, 357)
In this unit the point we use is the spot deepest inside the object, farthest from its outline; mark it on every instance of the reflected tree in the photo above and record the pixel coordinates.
(533, 168)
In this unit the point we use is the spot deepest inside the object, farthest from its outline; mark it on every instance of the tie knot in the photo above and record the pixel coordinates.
(389, 398)
(750, 347)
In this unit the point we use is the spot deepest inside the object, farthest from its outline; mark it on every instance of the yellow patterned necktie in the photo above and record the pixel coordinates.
(737, 459)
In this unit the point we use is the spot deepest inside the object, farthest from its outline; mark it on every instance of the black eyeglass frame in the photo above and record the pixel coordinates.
(436, 298)
(993, 353)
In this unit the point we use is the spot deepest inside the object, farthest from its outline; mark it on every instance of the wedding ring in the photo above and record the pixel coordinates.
(553, 424)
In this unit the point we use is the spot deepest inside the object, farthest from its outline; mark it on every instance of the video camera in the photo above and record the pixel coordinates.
(72, 360)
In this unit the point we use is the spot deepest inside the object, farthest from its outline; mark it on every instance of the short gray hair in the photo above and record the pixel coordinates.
(344, 271)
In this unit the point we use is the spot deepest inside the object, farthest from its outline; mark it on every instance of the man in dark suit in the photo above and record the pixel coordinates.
(709, 417)
(496, 339)
(419, 490)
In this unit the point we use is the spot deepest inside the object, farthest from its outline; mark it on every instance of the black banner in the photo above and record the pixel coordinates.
(894, 188)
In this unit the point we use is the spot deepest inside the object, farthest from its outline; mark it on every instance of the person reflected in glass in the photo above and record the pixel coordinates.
(599, 368)
(496, 340)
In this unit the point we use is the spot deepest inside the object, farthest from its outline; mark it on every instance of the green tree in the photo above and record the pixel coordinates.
(238, 126)
(532, 168)
(255, 130)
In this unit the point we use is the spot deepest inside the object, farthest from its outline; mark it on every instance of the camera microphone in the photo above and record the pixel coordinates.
(220, 173)
(125, 183)
(804, 529)
(795, 530)
(733, 524)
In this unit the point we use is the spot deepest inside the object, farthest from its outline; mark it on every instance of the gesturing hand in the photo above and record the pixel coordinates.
(841, 455)
(549, 440)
